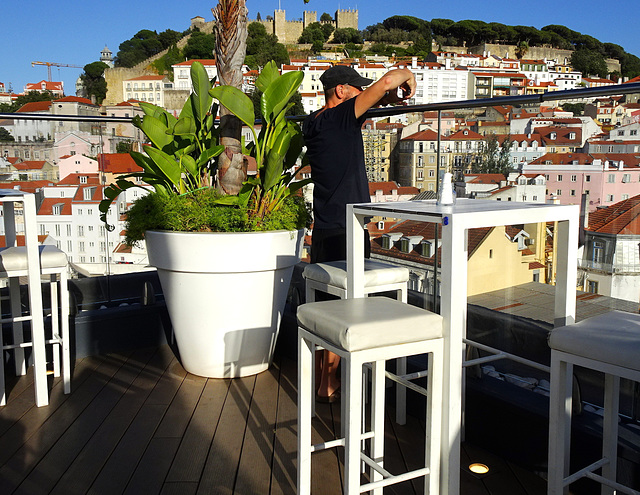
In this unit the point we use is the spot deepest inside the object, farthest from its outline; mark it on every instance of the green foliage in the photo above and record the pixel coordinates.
(278, 145)
(296, 109)
(29, 97)
(576, 108)
(589, 62)
(179, 162)
(145, 44)
(5, 135)
(94, 82)
(124, 146)
(163, 64)
(313, 32)
(326, 17)
(347, 35)
(263, 47)
(200, 45)
(630, 65)
(180, 157)
(494, 158)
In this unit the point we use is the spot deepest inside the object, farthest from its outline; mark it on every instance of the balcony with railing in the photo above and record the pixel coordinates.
(136, 422)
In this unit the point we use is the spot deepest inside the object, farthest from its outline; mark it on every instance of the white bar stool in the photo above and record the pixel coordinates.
(331, 277)
(368, 330)
(609, 343)
(33, 261)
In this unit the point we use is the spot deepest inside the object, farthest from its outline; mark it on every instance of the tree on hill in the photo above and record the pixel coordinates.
(144, 44)
(576, 108)
(29, 97)
(5, 135)
(589, 62)
(326, 17)
(199, 45)
(347, 35)
(313, 32)
(263, 47)
(94, 82)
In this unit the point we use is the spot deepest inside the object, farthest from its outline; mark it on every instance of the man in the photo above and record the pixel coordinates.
(333, 136)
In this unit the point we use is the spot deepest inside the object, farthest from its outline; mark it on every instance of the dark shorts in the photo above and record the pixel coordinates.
(331, 245)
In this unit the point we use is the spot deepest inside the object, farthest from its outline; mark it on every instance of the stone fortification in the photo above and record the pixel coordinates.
(288, 32)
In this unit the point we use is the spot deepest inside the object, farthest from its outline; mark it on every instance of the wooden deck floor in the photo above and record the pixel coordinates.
(137, 423)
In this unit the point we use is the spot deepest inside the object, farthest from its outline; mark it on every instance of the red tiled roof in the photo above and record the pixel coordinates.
(20, 240)
(464, 134)
(486, 178)
(146, 78)
(74, 180)
(117, 163)
(619, 218)
(75, 99)
(46, 208)
(96, 196)
(30, 165)
(26, 185)
(48, 86)
(426, 135)
(35, 106)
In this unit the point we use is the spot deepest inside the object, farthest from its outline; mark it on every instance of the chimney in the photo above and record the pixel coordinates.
(414, 62)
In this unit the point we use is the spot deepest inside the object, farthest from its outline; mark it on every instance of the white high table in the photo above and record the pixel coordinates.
(456, 220)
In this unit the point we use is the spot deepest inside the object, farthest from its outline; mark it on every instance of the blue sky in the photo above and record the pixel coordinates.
(67, 32)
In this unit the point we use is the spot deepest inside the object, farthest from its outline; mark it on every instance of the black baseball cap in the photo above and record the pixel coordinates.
(341, 74)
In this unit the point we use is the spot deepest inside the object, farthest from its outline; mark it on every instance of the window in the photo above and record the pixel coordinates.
(69, 246)
(597, 253)
(574, 178)
(611, 178)
(625, 196)
(593, 287)
(559, 178)
(535, 198)
(81, 246)
(57, 230)
(610, 197)
(573, 192)
(626, 177)
(558, 192)
(80, 230)
(587, 178)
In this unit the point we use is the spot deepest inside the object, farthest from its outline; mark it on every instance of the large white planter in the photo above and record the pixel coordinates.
(225, 293)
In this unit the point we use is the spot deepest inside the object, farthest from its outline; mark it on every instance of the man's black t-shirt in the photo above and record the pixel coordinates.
(334, 146)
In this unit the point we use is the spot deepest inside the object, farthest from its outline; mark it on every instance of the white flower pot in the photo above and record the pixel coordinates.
(225, 293)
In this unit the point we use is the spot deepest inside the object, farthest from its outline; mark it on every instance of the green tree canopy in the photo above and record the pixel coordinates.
(326, 17)
(200, 45)
(347, 35)
(576, 108)
(29, 97)
(589, 62)
(313, 32)
(263, 47)
(5, 135)
(494, 158)
(94, 82)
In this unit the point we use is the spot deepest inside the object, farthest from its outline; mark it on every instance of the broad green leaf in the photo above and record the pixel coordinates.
(167, 165)
(280, 91)
(227, 200)
(269, 74)
(208, 154)
(201, 99)
(150, 109)
(184, 126)
(236, 102)
(156, 131)
(189, 164)
(273, 169)
(295, 146)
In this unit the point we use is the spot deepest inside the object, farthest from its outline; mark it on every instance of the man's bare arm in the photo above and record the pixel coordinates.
(397, 78)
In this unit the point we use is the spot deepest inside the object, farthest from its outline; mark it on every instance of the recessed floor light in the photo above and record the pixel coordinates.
(478, 468)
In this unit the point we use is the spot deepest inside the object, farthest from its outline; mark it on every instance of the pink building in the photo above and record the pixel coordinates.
(607, 178)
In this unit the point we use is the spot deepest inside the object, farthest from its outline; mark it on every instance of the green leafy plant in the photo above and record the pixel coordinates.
(180, 162)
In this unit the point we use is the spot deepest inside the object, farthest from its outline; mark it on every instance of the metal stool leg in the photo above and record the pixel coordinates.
(305, 401)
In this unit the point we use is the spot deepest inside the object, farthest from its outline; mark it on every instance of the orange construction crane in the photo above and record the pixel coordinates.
(49, 64)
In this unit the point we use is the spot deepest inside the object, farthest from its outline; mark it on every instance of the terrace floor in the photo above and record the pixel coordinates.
(137, 423)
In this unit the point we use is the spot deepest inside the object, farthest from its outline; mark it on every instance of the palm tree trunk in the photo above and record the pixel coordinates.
(231, 47)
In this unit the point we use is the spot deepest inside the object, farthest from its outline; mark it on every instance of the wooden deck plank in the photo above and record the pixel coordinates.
(254, 470)
(500, 478)
(404, 449)
(179, 488)
(80, 475)
(151, 473)
(196, 442)
(219, 474)
(58, 418)
(285, 447)
(66, 448)
(115, 475)
(179, 412)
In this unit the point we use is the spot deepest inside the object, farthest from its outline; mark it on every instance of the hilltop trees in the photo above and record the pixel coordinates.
(145, 44)
(93, 81)
(263, 47)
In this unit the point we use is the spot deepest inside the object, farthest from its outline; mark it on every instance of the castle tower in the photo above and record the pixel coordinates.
(280, 25)
(346, 18)
(309, 18)
(106, 56)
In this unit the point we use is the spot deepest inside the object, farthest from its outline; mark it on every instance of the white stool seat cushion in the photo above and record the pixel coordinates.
(15, 258)
(365, 323)
(375, 273)
(612, 338)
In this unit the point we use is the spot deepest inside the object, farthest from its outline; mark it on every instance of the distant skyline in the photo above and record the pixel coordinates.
(64, 33)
